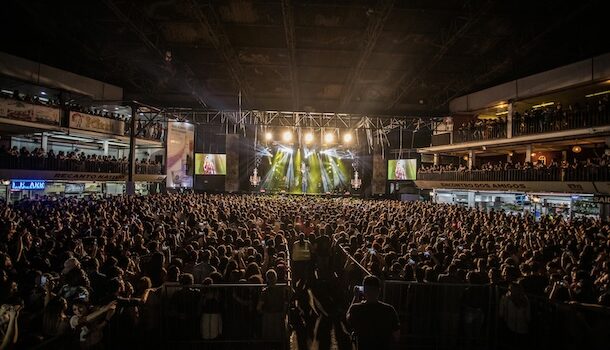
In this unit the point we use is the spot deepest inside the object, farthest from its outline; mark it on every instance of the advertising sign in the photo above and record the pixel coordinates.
(180, 148)
(95, 123)
(19, 185)
(19, 110)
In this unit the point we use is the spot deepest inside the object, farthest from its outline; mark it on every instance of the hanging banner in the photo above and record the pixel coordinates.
(180, 148)
(511, 186)
(95, 123)
(19, 110)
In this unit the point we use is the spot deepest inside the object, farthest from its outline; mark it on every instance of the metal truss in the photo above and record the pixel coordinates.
(372, 33)
(152, 38)
(210, 22)
(457, 28)
(288, 17)
(298, 119)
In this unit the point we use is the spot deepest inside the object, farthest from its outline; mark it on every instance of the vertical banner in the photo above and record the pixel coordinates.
(232, 179)
(379, 172)
(180, 150)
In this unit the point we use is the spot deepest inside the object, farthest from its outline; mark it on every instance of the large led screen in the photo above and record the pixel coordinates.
(210, 164)
(402, 169)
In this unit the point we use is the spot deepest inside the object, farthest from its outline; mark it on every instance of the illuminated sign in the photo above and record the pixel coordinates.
(27, 185)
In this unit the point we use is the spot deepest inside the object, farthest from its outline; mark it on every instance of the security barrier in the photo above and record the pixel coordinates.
(223, 315)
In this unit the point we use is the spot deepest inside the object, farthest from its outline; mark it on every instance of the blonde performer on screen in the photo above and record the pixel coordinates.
(209, 168)
(399, 172)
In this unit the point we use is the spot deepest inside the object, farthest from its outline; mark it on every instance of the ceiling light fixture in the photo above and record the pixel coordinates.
(545, 104)
(598, 93)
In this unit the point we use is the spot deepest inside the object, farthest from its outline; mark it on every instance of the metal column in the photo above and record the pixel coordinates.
(130, 186)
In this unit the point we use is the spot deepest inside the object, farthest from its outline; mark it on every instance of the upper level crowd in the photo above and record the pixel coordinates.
(539, 119)
(144, 129)
(38, 159)
(589, 163)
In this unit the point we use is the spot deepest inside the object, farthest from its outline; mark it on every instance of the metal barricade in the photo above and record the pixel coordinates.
(442, 316)
(224, 316)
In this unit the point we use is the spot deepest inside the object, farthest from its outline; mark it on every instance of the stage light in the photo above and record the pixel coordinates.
(285, 149)
(347, 137)
(329, 137)
(287, 136)
(576, 149)
(268, 136)
(308, 137)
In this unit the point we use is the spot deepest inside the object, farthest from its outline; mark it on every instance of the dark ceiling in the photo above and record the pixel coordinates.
(386, 57)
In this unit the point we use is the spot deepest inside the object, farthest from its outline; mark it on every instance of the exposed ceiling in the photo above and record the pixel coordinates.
(385, 57)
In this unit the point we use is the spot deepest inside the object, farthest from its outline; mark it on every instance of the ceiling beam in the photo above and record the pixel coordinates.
(456, 30)
(209, 21)
(288, 16)
(153, 40)
(373, 30)
(521, 50)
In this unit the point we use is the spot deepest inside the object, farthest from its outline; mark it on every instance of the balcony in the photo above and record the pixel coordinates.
(557, 174)
(480, 132)
(16, 165)
(558, 120)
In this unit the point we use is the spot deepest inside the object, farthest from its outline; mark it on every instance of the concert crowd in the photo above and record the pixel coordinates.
(97, 271)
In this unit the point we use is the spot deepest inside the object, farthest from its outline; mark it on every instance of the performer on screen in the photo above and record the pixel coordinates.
(399, 172)
(209, 168)
(304, 177)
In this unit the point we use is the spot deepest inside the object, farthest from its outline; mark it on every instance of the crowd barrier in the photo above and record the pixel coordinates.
(75, 165)
(464, 316)
(437, 316)
(459, 316)
(554, 174)
(348, 269)
(224, 316)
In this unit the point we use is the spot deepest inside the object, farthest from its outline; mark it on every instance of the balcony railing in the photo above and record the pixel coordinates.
(479, 133)
(74, 165)
(556, 174)
(552, 121)
(535, 123)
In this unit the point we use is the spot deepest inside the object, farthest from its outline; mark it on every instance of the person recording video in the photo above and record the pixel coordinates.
(374, 323)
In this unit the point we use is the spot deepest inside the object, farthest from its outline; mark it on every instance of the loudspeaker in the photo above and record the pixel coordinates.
(380, 171)
(232, 148)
